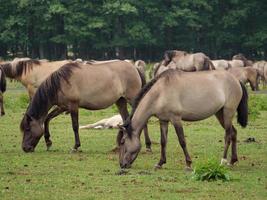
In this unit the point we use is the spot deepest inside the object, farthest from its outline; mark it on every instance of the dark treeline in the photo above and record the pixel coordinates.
(138, 29)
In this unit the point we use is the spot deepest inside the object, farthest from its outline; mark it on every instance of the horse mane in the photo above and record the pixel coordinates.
(47, 93)
(2, 81)
(17, 67)
(23, 66)
(140, 96)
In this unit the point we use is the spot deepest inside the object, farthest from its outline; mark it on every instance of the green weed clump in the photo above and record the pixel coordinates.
(256, 103)
(210, 171)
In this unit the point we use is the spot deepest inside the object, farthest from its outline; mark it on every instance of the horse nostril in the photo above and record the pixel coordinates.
(27, 149)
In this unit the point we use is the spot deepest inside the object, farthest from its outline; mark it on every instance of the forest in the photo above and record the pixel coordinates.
(143, 29)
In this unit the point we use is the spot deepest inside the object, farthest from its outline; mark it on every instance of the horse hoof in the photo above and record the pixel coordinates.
(149, 150)
(72, 150)
(224, 161)
(157, 166)
(188, 169)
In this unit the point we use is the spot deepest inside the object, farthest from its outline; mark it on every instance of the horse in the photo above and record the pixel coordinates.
(75, 86)
(236, 63)
(241, 57)
(174, 96)
(261, 66)
(112, 122)
(154, 70)
(221, 64)
(245, 75)
(141, 65)
(2, 90)
(31, 73)
(184, 61)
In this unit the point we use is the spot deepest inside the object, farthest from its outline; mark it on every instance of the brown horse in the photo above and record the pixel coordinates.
(2, 90)
(246, 75)
(184, 61)
(75, 86)
(241, 57)
(175, 96)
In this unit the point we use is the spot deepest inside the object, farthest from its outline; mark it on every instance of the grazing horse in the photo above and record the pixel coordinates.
(2, 90)
(261, 66)
(174, 96)
(75, 86)
(221, 64)
(245, 75)
(184, 61)
(241, 57)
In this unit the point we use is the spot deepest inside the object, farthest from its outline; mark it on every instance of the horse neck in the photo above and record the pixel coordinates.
(39, 112)
(141, 116)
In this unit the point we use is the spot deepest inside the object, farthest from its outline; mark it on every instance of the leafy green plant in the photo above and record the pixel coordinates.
(256, 104)
(210, 171)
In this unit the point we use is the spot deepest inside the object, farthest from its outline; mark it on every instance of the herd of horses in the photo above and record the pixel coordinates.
(180, 87)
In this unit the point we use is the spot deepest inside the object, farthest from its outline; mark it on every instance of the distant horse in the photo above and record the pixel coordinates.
(236, 63)
(174, 96)
(141, 65)
(245, 75)
(241, 57)
(261, 66)
(154, 69)
(221, 64)
(112, 122)
(184, 61)
(75, 86)
(2, 90)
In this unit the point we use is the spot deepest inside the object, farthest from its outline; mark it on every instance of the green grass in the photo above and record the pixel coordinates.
(91, 174)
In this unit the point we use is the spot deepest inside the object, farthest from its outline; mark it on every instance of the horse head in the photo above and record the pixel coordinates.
(32, 132)
(129, 146)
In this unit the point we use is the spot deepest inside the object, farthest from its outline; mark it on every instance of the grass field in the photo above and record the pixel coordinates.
(91, 174)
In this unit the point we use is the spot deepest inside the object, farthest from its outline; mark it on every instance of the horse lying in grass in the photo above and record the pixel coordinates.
(2, 90)
(75, 86)
(111, 122)
(174, 96)
(246, 75)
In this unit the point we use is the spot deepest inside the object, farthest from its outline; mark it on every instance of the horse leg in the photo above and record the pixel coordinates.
(234, 157)
(227, 138)
(147, 139)
(2, 105)
(163, 142)
(180, 134)
(49, 117)
(74, 112)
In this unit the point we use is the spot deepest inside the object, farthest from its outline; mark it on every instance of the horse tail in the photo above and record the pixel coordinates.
(208, 65)
(242, 109)
(2, 80)
(142, 76)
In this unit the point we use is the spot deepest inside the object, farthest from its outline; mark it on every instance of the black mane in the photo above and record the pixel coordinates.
(47, 93)
(2, 81)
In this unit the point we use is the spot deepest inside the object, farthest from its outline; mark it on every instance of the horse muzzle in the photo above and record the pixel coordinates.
(28, 149)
